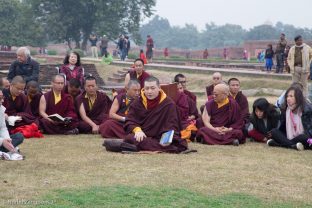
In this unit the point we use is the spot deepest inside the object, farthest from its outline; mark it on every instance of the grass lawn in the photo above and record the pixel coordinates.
(75, 171)
(66, 170)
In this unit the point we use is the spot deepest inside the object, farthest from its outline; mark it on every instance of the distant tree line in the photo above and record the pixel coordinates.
(213, 36)
(36, 22)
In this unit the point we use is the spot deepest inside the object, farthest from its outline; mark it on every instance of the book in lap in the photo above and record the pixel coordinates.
(166, 138)
(58, 118)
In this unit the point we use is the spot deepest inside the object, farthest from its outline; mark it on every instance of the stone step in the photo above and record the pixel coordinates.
(111, 87)
(122, 72)
(116, 75)
(126, 69)
(114, 79)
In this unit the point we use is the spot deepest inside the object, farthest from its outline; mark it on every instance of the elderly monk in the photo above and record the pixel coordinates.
(113, 128)
(216, 79)
(240, 98)
(33, 94)
(149, 117)
(57, 102)
(93, 107)
(16, 103)
(138, 73)
(222, 119)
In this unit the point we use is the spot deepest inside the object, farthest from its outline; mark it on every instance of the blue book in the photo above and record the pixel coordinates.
(166, 138)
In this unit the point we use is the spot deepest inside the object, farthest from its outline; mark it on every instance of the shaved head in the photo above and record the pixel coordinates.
(223, 88)
(220, 92)
(18, 80)
(216, 78)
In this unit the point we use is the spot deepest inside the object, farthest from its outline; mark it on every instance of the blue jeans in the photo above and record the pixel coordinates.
(17, 139)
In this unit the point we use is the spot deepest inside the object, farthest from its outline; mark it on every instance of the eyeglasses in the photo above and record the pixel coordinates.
(217, 78)
(182, 82)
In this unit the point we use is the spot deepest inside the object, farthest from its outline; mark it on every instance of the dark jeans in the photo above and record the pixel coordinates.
(279, 62)
(17, 139)
(280, 138)
(104, 51)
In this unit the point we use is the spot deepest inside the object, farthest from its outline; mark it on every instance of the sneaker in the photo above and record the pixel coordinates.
(16, 156)
(235, 142)
(272, 143)
(299, 146)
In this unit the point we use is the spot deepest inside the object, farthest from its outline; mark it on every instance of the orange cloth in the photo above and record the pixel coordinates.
(187, 132)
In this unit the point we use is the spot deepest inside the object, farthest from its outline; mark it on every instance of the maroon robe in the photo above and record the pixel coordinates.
(209, 90)
(154, 122)
(64, 108)
(97, 114)
(77, 73)
(144, 75)
(190, 95)
(18, 107)
(112, 128)
(227, 116)
(243, 104)
(34, 104)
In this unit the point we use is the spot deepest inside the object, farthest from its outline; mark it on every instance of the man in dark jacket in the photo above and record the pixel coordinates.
(24, 66)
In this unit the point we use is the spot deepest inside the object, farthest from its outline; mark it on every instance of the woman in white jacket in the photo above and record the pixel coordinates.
(8, 143)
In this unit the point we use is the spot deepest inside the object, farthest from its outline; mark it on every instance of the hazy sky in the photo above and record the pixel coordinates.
(247, 13)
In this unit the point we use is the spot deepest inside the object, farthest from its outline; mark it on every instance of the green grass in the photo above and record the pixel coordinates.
(125, 196)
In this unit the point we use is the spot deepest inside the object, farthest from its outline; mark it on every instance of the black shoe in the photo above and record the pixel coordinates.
(72, 132)
(272, 143)
(235, 142)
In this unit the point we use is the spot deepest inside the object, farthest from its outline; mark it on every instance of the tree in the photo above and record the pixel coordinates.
(18, 25)
(262, 32)
(66, 20)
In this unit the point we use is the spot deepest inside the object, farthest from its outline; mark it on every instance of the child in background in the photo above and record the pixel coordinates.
(142, 56)
(269, 53)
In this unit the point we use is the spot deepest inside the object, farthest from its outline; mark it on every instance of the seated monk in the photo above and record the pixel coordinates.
(180, 78)
(33, 94)
(216, 79)
(138, 73)
(56, 101)
(16, 103)
(188, 113)
(240, 98)
(73, 88)
(149, 117)
(5, 83)
(93, 107)
(113, 128)
(222, 119)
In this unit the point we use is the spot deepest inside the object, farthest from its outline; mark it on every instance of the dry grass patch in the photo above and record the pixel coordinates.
(59, 162)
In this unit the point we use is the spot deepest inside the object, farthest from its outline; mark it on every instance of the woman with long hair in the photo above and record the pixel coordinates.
(264, 118)
(296, 122)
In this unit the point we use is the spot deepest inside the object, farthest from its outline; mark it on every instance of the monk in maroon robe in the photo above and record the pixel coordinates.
(222, 119)
(138, 73)
(216, 79)
(240, 98)
(16, 103)
(151, 116)
(188, 114)
(113, 128)
(93, 107)
(33, 95)
(180, 78)
(58, 102)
